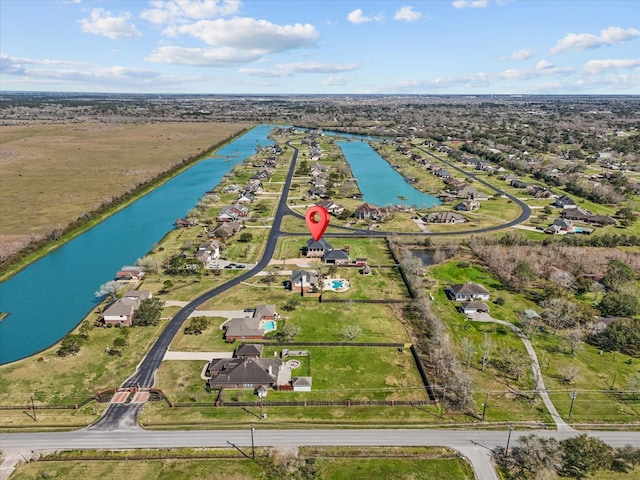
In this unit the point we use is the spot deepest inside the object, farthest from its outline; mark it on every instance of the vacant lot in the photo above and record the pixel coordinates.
(52, 174)
(414, 463)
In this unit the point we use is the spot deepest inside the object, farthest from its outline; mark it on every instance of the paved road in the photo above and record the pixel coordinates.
(525, 213)
(144, 376)
(476, 445)
(118, 428)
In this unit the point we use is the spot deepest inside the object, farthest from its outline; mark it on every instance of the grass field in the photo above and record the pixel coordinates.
(52, 174)
(597, 401)
(328, 464)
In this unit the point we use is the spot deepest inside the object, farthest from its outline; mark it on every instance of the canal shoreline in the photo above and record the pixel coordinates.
(43, 247)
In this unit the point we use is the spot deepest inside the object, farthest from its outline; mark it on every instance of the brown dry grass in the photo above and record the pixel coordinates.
(52, 174)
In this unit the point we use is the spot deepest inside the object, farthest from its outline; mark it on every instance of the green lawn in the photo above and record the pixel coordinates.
(339, 373)
(596, 371)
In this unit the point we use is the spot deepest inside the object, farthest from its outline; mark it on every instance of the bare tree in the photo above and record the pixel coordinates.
(486, 349)
(558, 313)
(107, 289)
(350, 332)
(570, 373)
(468, 351)
(573, 338)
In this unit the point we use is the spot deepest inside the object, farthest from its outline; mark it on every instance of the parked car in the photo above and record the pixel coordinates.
(231, 265)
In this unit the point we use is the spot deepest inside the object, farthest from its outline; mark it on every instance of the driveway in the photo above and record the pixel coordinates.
(561, 425)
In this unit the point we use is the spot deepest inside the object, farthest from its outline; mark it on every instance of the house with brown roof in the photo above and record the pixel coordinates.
(226, 230)
(367, 211)
(248, 370)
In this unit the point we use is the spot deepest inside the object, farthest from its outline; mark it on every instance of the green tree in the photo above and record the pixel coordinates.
(617, 275)
(522, 275)
(85, 328)
(69, 345)
(288, 333)
(148, 312)
(627, 216)
(291, 304)
(245, 237)
(615, 304)
(584, 455)
(629, 456)
(536, 457)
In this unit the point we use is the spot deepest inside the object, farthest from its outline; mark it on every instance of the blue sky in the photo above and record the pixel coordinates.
(324, 47)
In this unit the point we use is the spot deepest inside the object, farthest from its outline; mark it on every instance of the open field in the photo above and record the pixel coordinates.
(596, 402)
(52, 174)
(329, 464)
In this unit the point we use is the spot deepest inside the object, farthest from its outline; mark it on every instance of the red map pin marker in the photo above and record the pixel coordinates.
(317, 221)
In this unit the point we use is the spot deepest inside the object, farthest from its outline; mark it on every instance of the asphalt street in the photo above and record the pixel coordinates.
(118, 428)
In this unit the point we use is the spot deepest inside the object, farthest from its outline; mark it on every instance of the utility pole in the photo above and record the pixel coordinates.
(33, 407)
(484, 408)
(613, 382)
(444, 391)
(253, 447)
(506, 451)
(573, 397)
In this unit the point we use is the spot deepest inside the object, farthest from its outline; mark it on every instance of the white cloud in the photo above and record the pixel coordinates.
(407, 14)
(288, 69)
(586, 41)
(250, 34)
(599, 66)
(334, 81)
(204, 57)
(543, 65)
(523, 54)
(179, 11)
(470, 3)
(102, 22)
(358, 17)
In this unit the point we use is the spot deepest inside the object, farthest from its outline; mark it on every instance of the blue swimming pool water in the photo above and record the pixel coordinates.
(269, 326)
(337, 284)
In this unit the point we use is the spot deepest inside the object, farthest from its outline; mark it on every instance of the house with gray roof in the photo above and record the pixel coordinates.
(467, 291)
(303, 280)
(251, 327)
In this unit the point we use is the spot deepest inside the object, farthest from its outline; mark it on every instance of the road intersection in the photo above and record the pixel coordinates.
(118, 427)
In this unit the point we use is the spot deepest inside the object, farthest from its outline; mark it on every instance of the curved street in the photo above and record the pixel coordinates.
(118, 427)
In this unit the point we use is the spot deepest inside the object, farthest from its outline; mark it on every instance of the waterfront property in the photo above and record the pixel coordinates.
(51, 296)
(380, 183)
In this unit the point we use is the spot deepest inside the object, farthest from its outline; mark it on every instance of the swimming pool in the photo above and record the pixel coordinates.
(337, 285)
(269, 326)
